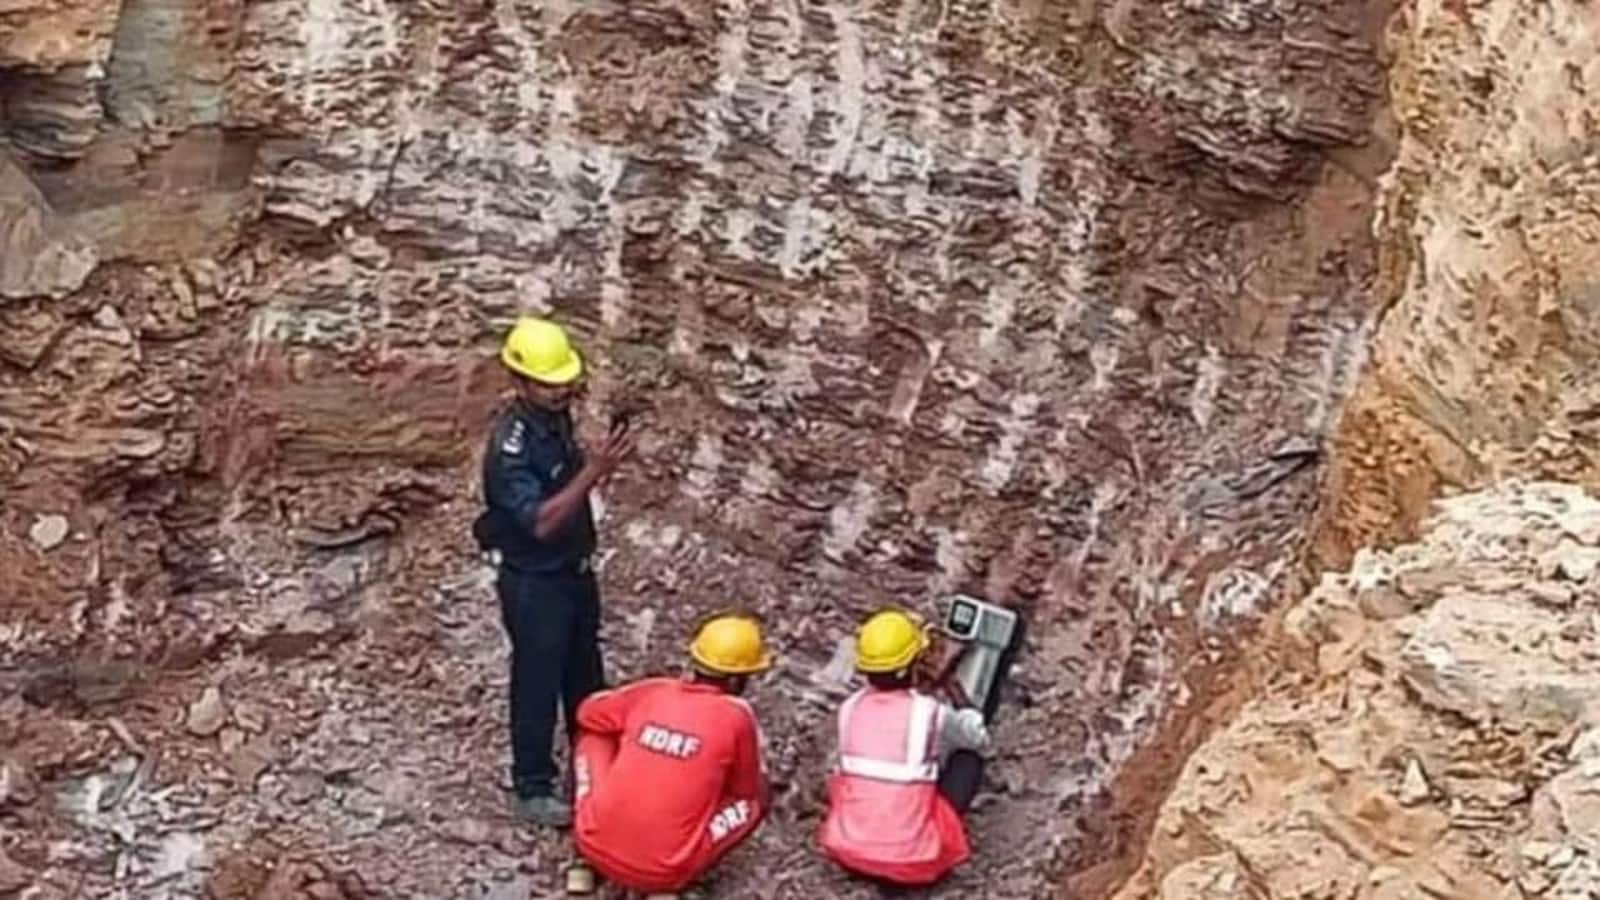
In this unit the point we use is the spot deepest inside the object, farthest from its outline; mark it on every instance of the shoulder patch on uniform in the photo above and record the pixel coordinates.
(515, 438)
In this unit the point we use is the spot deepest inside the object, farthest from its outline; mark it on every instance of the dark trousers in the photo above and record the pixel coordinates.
(962, 772)
(553, 621)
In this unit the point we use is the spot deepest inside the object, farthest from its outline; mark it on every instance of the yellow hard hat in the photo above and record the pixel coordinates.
(730, 644)
(889, 641)
(539, 349)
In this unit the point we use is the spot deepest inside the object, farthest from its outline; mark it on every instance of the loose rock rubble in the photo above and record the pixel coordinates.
(1440, 739)
(374, 760)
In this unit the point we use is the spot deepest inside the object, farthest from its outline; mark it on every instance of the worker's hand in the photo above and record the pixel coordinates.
(929, 666)
(950, 653)
(939, 661)
(611, 453)
(956, 694)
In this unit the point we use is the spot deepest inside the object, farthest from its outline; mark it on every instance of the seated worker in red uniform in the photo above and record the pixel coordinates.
(907, 768)
(669, 775)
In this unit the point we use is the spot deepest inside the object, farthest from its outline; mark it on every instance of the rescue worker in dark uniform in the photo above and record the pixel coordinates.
(539, 526)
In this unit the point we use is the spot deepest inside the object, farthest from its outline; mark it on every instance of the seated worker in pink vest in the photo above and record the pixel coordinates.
(891, 816)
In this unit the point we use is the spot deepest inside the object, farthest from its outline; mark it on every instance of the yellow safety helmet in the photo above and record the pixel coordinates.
(730, 644)
(539, 349)
(889, 641)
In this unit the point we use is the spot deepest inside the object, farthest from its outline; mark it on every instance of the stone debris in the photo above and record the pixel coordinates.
(39, 254)
(1414, 788)
(1572, 561)
(252, 717)
(468, 831)
(180, 852)
(208, 713)
(302, 788)
(1468, 755)
(49, 531)
(249, 759)
(17, 785)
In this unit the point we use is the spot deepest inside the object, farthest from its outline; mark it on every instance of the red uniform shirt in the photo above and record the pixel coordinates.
(670, 778)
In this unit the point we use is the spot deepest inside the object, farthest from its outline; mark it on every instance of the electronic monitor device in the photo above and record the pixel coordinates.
(987, 630)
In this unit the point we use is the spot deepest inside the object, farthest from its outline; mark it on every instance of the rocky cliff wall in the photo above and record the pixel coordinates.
(1483, 364)
(1424, 725)
(1051, 303)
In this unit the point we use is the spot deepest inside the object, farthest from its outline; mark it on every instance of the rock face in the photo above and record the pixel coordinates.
(52, 55)
(42, 257)
(1441, 722)
(1054, 304)
(1442, 737)
(1483, 363)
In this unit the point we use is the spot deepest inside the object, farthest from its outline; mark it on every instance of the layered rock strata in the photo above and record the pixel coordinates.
(1483, 364)
(1051, 304)
(1442, 741)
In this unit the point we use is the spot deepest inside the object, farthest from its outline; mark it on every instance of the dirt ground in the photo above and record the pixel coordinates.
(359, 750)
(326, 756)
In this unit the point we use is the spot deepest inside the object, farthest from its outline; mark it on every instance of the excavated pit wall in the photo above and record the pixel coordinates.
(1424, 723)
(1053, 304)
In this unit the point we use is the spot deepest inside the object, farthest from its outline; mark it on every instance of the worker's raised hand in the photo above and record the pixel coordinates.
(612, 452)
(937, 664)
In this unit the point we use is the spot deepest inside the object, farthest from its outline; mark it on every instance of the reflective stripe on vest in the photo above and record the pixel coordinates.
(883, 770)
(917, 766)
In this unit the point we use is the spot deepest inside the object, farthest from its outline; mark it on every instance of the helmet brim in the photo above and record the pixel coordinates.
(566, 373)
(710, 668)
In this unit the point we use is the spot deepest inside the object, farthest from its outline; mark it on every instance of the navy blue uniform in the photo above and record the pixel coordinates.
(549, 600)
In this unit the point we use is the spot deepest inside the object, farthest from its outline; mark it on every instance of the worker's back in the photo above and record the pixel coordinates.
(686, 774)
(886, 817)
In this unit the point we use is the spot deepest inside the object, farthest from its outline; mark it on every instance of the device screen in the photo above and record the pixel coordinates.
(963, 616)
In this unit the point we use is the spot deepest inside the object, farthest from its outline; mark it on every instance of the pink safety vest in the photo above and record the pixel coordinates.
(886, 818)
